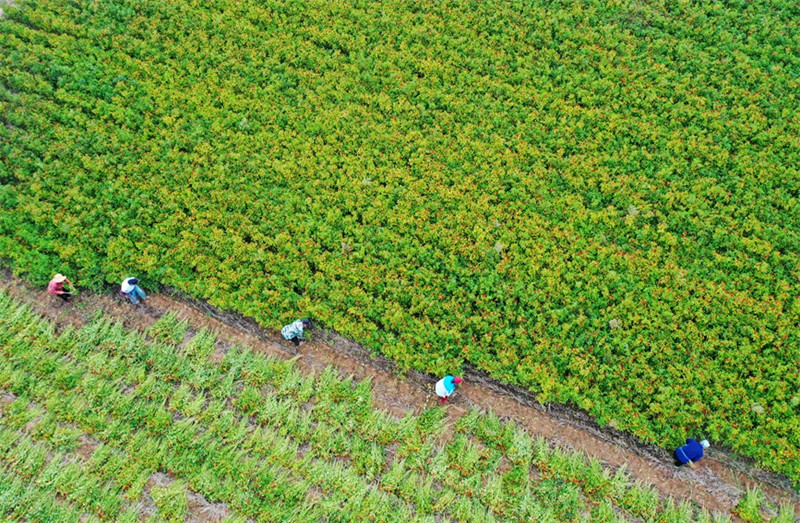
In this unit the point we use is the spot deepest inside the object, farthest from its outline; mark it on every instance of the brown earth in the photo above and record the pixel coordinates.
(717, 483)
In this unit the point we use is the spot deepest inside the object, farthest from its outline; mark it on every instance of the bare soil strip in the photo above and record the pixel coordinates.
(716, 484)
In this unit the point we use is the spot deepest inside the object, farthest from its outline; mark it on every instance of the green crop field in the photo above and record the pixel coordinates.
(268, 441)
(598, 201)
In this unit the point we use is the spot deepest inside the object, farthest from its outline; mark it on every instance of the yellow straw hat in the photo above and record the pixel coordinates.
(58, 278)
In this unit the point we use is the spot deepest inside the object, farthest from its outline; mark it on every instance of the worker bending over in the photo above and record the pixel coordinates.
(130, 289)
(294, 331)
(690, 453)
(56, 287)
(446, 386)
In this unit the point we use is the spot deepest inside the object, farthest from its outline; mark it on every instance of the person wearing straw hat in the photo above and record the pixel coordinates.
(690, 453)
(56, 287)
(447, 386)
(130, 289)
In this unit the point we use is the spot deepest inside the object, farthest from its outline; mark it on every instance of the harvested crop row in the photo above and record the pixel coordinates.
(268, 441)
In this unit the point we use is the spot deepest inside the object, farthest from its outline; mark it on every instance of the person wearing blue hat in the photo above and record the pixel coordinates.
(130, 289)
(690, 453)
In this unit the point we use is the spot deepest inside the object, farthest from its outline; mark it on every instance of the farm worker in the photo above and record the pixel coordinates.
(690, 453)
(56, 287)
(294, 331)
(446, 386)
(130, 288)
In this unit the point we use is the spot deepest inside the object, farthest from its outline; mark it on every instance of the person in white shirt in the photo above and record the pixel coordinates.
(130, 288)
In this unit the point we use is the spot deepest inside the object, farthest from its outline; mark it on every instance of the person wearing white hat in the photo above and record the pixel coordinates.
(690, 453)
(56, 287)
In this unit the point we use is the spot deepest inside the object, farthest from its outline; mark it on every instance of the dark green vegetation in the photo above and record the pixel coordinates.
(598, 201)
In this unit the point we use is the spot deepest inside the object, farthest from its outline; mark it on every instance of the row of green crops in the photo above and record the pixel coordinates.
(594, 200)
(270, 442)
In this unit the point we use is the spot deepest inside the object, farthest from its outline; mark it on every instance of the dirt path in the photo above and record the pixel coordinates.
(716, 484)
